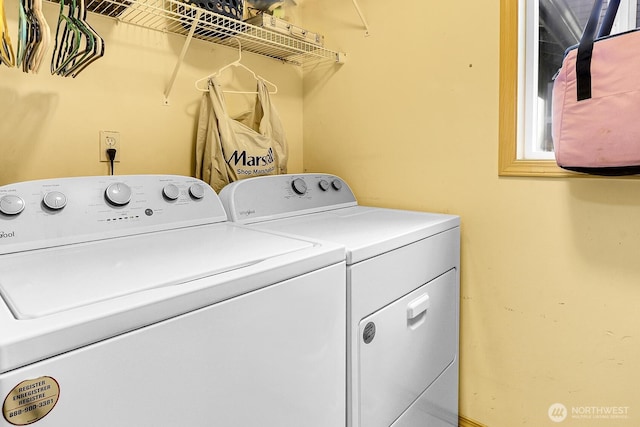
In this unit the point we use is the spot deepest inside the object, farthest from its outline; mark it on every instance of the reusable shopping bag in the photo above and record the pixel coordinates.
(228, 150)
(596, 100)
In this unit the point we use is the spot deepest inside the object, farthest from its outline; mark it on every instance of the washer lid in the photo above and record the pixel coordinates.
(40, 283)
(64, 298)
(365, 231)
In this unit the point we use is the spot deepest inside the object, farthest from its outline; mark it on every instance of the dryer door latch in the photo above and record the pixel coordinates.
(417, 306)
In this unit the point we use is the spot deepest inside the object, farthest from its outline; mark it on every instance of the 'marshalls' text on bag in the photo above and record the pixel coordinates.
(228, 150)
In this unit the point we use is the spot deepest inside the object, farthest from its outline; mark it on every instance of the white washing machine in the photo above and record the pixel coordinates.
(403, 272)
(130, 301)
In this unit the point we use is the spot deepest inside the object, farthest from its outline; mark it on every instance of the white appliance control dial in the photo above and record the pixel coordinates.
(282, 196)
(118, 194)
(299, 186)
(56, 212)
(196, 191)
(171, 191)
(54, 200)
(11, 204)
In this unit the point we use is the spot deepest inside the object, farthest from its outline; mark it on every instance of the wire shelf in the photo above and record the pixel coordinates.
(178, 18)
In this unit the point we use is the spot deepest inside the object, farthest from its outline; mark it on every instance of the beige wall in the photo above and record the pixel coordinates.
(50, 125)
(550, 271)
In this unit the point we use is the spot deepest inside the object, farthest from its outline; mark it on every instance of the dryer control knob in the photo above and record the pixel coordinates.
(118, 194)
(11, 204)
(171, 191)
(323, 184)
(196, 191)
(54, 200)
(336, 184)
(299, 186)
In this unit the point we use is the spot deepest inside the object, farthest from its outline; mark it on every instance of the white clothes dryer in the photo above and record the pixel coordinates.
(130, 301)
(403, 271)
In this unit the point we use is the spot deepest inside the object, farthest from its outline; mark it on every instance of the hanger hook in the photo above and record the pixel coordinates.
(239, 49)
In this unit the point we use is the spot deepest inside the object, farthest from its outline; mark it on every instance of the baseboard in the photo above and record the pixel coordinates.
(466, 422)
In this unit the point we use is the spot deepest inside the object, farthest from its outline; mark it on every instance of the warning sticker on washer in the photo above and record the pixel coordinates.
(30, 401)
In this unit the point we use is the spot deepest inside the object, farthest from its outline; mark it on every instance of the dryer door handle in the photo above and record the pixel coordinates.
(418, 306)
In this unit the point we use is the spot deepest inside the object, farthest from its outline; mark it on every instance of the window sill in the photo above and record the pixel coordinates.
(540, 168)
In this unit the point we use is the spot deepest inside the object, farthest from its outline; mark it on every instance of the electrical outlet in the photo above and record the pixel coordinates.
(110, 139)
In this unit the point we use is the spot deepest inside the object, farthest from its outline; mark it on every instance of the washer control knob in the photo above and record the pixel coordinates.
(118, 194)
(299, 186)
(11, 204)
(54, 200)
(323, 184)
(197, 191)
(171, 191)
(336, 184)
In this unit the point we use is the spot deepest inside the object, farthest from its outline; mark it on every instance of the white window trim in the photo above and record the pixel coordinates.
(626, 18)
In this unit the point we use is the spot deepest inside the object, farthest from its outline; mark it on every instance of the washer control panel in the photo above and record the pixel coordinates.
(279, 196)
(52, 212)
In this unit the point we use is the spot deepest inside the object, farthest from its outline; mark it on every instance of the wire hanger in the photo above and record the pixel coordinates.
(77, 44)
(7, 56)
(34, 36)
(235, 63)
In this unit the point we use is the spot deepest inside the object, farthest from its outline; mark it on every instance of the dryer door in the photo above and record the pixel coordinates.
(404, 347)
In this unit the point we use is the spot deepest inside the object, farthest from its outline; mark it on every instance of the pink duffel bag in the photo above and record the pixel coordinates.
(596, 100)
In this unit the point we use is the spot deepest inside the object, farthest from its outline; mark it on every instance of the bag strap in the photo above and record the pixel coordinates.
(609, 17)
(263, 108)
(585, 48)
(217, 98)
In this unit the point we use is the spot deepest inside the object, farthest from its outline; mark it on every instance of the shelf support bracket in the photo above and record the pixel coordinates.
(362, 18)
(185, 47)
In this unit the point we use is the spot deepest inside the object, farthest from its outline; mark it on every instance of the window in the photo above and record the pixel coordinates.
(533, 37)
